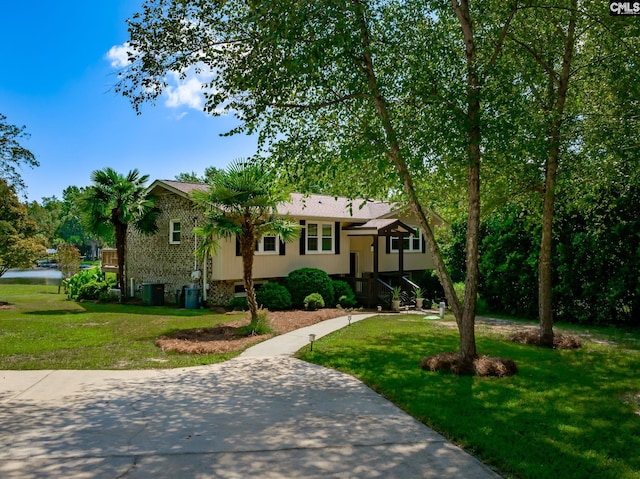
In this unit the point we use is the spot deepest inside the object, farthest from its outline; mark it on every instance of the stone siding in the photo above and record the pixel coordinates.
(152, 259)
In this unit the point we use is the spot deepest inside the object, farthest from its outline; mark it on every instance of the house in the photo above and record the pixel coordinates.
(356, 240)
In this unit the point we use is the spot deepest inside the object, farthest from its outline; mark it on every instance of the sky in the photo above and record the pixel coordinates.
(58, 69)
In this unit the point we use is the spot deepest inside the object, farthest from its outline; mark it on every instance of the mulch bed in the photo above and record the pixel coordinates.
(482, 365)
(560, 341)
(225, 338)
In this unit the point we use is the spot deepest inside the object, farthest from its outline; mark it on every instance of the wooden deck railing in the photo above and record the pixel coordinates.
(109, 260)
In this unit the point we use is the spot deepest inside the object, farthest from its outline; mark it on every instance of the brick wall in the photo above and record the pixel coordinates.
(152, 259)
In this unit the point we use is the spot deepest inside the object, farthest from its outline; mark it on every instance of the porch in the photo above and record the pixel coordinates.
(373, 276)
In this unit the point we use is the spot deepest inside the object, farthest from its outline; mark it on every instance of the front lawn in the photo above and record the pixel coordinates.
(40, 329)
(567, 414)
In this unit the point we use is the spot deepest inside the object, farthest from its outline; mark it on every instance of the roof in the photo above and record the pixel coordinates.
(386, 226)
(324, 206)
(180, 188)
(311, 206)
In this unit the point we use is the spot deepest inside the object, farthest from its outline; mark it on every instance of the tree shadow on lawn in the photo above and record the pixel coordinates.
(561, 416)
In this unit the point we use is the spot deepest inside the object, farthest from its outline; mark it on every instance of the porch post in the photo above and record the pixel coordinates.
(375, 256)
(401, 256)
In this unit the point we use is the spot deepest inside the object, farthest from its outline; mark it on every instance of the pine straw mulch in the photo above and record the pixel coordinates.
(225, 338)
(560, 341)
(482, 365)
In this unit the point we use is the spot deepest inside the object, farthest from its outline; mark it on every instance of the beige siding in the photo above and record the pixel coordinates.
(228, 266)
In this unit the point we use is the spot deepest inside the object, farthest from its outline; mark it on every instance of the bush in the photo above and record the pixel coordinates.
(274, 297)
(238, 304)
(432, 290)
(345, 295)
(74, 285)
(313, 301)
(93, 289)
(302, 282)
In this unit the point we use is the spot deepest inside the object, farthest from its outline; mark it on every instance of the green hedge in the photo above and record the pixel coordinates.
(302, 282)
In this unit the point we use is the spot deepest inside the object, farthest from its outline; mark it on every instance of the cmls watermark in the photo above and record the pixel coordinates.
(624, 8)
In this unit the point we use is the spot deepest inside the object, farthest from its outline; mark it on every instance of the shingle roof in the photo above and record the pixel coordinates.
(323, 206)
(312, 206)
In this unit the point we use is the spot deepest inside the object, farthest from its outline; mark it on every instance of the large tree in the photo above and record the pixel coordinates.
(19, 247)
(13, 154)
(384, 90)
(565, 52)
(241, 203)
(115, 201)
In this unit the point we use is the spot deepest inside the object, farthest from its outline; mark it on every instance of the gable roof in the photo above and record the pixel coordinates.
(180, 188)
(311, 206)
(382, 227)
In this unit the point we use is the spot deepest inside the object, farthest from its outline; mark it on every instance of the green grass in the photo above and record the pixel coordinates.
(43, 330)
(569, 414)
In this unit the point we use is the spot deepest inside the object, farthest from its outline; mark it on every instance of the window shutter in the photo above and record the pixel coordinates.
(423, 245)
(336, 232)
(387, 244)
(282, 248)
(303, 237)
(237, 246)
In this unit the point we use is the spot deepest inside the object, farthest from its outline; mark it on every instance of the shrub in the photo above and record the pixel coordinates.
(93, 289)
(261, 327)
(238, 304)
(459, 289)
(73, 285)
(345, 295)
(313, 301)
(304, 281)
(432, 290)
(274, 297)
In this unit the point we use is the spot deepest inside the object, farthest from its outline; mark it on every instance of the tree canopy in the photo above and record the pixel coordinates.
(19, 248)
(13, 155)
(115, 202)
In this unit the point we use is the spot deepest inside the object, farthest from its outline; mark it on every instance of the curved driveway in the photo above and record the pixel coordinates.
(263, 415)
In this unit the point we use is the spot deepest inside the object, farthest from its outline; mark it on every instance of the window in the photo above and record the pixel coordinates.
(320, 238)
(174, 231)
(411, 243)
(268, 245)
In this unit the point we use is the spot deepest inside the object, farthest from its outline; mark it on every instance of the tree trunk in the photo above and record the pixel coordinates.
(468, 350)
(121, 238)
(247, 250)
(545, 268)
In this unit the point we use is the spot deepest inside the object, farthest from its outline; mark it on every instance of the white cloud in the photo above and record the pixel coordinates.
(182, 90)
(118, 55)
(187, 91)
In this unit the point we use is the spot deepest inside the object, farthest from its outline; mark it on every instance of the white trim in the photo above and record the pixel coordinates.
(319, 237)
(173, 231)
(411, 248)
(260, 246)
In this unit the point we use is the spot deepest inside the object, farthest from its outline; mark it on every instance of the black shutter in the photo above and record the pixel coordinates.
(237, 246)
(422, 244)
(303, 237)
(387, 245)
(337, 238)
(282, 248)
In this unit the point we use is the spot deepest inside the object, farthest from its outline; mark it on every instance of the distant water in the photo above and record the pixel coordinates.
(31, 276)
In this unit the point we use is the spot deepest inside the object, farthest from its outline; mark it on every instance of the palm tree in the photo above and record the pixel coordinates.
(117, 201)
(241, 202)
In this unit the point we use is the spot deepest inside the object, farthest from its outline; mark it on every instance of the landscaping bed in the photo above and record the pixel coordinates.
(225, 338)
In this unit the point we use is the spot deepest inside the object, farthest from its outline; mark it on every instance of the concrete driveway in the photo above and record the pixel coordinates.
(266, 416)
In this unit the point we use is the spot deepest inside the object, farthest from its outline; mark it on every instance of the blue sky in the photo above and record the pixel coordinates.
(57, 78)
